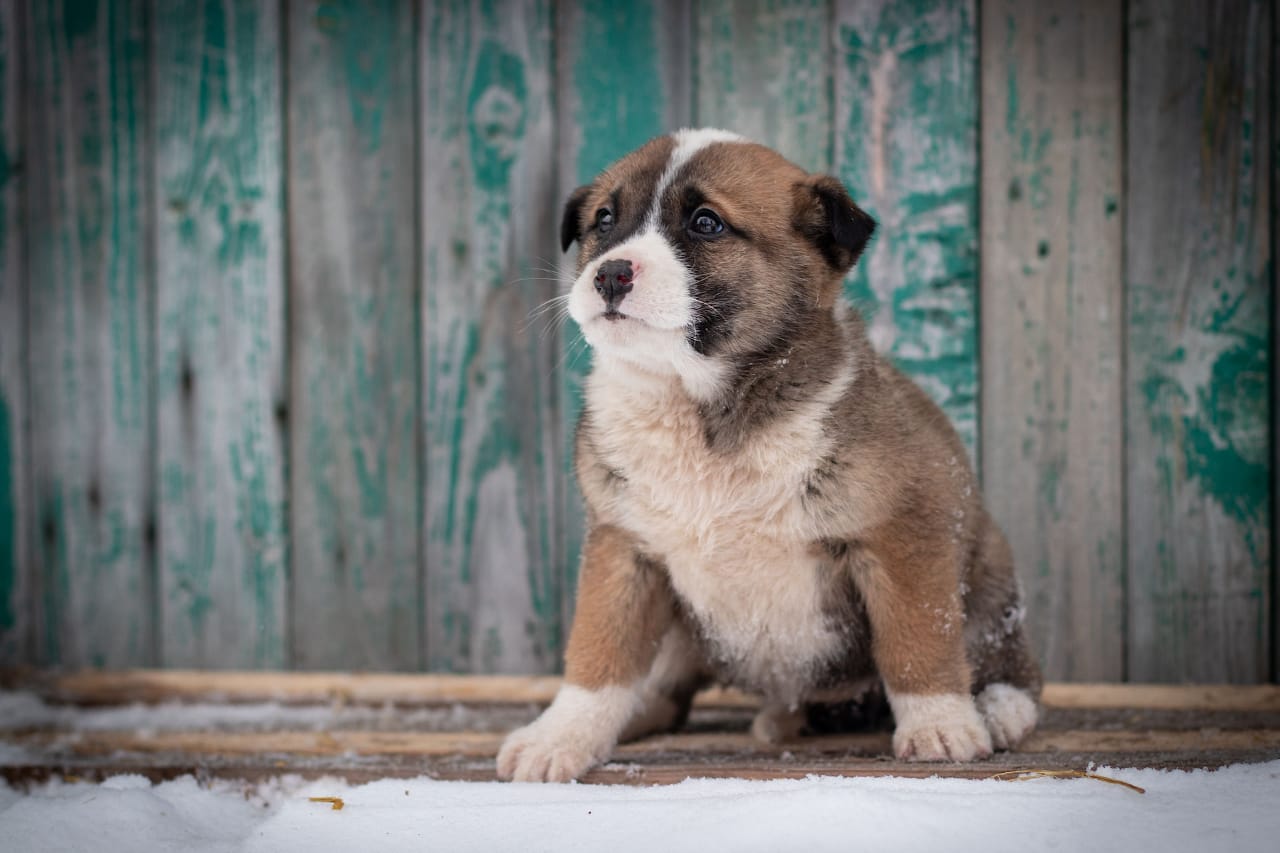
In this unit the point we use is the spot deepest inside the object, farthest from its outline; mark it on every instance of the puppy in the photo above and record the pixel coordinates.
(769, 503)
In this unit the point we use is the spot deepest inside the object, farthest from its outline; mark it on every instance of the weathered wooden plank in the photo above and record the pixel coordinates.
(1052, 319)
(738, 745)
(764, 70)
(1165, 697)
(906, 145)
(89, 332)
(15, 587)
(220, 339)
(354, 457)
(1199, 94)
(494, 583)
(604, 110)
(671, 771)
(96, 687)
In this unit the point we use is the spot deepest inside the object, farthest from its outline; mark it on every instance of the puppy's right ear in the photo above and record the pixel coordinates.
(570, 223)
(827, 215)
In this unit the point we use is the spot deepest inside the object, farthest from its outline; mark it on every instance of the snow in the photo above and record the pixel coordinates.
(1236, 808)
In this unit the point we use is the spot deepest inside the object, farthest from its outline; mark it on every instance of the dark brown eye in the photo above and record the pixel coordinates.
(706, 223)
(604, 220)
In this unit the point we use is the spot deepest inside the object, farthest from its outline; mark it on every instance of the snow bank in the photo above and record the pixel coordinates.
(1237, 808)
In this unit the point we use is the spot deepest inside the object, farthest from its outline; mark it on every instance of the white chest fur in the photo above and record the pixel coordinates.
(731, 529)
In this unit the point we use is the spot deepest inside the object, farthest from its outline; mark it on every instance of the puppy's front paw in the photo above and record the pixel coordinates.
(576, 733)
(939, 728)
(535, 754)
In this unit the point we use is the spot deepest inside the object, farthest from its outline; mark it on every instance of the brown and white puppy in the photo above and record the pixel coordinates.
(770, 504)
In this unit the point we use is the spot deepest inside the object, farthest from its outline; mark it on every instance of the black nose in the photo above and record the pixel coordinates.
(613, 281)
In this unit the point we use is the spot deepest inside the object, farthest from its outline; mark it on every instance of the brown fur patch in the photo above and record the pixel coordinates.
(626, 189)
(624, 607)
(917, 619)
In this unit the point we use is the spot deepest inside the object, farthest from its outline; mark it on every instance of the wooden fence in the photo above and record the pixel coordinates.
(270, 393)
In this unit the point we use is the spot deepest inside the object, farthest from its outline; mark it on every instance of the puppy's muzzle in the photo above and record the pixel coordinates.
(614, 280)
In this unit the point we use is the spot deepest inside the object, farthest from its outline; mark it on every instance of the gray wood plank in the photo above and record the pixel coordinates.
(604, 110)
(15, 589)
(764, 70)
(1198, 267)
(90, 353)
(906, 99)
(220, 330)
(494, 580)
(1052, 319)
(354, 459)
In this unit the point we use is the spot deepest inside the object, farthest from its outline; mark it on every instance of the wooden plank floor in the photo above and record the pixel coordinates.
(365, 726)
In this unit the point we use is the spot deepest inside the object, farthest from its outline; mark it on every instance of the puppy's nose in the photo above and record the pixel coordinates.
(614, 281)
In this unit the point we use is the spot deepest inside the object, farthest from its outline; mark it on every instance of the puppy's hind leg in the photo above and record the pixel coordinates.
(776, 723)
(1006, 677)
(667, 692)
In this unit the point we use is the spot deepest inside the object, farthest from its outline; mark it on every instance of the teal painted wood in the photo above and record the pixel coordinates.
(1198, 270)
(90, 340)
(764, 70)
(15, 589)
(1052, 319)
(494, 581)
(604, 110)
(354, 457)
(906, 145)
(220, 333)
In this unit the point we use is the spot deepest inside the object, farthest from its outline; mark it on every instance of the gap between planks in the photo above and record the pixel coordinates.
(96, 687)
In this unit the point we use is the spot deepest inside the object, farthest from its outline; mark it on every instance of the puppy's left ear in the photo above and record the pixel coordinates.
(570, 222)
(828, 217)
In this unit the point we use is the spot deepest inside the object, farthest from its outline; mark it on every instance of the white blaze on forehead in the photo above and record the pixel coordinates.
(689, 141)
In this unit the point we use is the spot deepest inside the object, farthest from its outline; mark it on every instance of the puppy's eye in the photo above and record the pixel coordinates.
(604, 220)
(706, 223)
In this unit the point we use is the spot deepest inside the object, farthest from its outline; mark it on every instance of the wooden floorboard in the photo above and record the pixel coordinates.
(92, 687)
(167, 724)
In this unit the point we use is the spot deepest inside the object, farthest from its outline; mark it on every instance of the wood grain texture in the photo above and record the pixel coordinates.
(220, 335)
(1198, 273)
(15, 582)
(907, 147)
(89, 332)
(494, 581)
(603, 111)
(764, 70)
(354, 457)
(655, 770)
(1052, 320)
(713, 745)
(107, 687)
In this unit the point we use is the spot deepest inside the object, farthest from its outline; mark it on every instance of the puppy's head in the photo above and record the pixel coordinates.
(702, 246)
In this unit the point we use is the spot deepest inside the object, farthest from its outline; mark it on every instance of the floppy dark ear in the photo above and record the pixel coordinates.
(570, 227)
(829, 218)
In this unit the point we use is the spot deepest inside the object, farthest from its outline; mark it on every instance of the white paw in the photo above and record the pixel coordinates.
(1009, 712)
(777, 723)
(938, 728)
(534, 754)
(576, 733)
